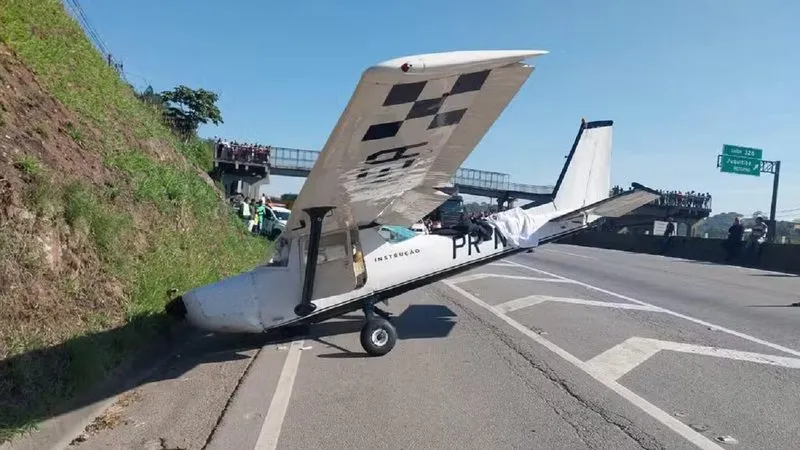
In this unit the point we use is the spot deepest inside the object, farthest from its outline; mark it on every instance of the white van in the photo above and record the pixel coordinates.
(275, 221)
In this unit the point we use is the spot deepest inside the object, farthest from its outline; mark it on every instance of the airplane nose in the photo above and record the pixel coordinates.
(176, 308)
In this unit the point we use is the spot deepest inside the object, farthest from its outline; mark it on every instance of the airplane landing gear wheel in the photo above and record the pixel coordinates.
(378, 337)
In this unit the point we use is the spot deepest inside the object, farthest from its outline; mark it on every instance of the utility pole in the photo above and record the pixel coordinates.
(773, 224)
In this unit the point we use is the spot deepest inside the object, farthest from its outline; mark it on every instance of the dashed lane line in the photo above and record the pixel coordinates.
(524, 302)
(481, 276)
(560, 252)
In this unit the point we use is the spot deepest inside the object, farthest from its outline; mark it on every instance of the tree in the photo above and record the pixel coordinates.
(187, 108)
(150, 97)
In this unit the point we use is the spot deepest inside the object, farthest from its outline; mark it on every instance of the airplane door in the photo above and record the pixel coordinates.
(340, 264)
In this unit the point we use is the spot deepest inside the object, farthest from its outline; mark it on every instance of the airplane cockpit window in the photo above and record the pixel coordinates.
(280, 256)
(395, 233)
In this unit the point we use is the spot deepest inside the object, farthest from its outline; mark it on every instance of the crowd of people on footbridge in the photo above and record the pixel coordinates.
(260, 154)
(242, 152)
(690, 199)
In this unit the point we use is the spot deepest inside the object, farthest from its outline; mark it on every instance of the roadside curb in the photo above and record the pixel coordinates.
(59, 431)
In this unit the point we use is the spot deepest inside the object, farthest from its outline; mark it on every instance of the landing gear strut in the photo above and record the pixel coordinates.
(378, 336)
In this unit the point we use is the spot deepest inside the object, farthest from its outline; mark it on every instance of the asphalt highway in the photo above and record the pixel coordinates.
(565, 347)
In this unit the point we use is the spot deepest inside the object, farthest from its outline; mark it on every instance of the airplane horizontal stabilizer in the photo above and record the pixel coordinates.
(615, 206)
(523, 228)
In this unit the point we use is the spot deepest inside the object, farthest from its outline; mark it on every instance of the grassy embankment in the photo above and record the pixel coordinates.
(150, 225)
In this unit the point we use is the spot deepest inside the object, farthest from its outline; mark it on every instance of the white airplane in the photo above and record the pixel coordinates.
(410, 124)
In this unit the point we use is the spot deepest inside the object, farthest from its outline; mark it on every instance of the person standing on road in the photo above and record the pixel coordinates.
(261, 211)
(246, 209)
(733, 245)
(668, 232)
(758, 234)
(254, 225)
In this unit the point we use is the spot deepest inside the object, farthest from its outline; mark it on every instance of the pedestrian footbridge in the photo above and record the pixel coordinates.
(294, 162)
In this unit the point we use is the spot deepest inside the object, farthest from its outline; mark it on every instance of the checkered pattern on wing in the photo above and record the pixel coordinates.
(423, 106)
(435, 111)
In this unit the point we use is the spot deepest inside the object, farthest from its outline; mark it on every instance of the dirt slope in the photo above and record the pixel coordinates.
(103, 212)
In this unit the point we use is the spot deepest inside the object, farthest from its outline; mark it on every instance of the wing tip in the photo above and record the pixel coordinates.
(450, 62)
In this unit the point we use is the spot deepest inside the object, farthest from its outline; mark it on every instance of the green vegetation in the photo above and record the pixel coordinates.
(185, 108)
(151, 227)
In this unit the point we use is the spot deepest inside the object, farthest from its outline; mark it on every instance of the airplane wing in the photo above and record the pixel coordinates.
(408, 127)
(616, 206)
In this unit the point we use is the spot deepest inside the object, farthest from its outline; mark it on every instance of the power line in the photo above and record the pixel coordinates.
(80, 15)
(94, 37)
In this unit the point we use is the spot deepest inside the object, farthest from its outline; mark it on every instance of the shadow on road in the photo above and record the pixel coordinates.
(743, 265)
(49, 382)
(774, 275)
(706, 263)
(788, 305)
(415, 322)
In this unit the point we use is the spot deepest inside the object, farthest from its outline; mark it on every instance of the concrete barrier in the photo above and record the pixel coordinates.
(776, 257)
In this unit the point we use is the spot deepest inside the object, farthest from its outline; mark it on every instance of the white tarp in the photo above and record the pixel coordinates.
(518, 227)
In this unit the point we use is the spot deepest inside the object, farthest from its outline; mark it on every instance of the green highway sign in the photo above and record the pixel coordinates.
(740, 165)
(735, 150)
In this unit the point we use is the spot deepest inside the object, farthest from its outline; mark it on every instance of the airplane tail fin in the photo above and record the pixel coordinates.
(586, 176)
(581, 195)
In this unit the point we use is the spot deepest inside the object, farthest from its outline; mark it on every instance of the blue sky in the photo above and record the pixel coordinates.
(679, 78)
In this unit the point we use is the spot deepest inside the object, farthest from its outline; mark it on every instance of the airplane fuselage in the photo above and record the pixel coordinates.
(265, 297)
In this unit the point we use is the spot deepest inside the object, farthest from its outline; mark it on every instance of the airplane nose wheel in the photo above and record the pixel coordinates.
(378, 337)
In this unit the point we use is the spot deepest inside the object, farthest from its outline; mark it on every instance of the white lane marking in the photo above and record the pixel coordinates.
(524, 302)
(667, 311)
(658, 414)
(621, 359)
(519, 303)
(547, 250)
(500, 264)
(271, 429)
(480, 276)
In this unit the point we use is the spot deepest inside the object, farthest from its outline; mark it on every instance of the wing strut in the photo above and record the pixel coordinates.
(316, 214)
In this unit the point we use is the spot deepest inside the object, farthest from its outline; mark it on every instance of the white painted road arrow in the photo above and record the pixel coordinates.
(621, 359)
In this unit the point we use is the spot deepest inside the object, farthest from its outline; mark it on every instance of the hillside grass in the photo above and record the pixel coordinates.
(159, 228)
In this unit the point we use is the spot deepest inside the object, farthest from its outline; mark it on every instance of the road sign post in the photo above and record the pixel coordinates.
(776, 174)
(748, 161)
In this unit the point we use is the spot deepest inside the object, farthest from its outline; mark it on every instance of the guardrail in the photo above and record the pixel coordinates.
(690, 202)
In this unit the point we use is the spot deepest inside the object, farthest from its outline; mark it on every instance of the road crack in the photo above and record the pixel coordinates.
(230, 398)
